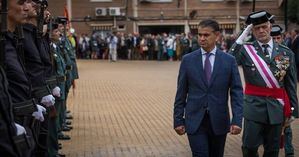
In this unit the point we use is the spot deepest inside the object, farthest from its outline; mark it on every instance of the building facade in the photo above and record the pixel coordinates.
(157, 16)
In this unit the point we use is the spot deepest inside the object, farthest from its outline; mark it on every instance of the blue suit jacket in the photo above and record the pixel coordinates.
(194, 95)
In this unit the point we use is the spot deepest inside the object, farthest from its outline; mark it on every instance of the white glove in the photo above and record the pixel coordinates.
(244, 34)
(56, 91)
(38, 115)
(48, 100)
(20, 129)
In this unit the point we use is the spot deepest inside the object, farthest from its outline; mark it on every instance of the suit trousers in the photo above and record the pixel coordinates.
(204, 142)
(255, 134)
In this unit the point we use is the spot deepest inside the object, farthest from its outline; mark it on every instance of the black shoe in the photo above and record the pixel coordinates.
(68, 111)
(68, 116)
(68, 126)
(68, 122)
(61, 155)
(65, 128)
(61, 136)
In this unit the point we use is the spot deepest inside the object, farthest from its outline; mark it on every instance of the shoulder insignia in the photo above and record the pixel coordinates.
(284, 46)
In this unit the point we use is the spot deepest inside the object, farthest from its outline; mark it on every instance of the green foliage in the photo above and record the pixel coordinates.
(293, 11)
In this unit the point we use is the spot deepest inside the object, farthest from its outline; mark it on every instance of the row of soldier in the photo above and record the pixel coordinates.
(38, 68)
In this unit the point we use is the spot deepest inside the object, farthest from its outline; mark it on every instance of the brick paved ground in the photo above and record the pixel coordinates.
(124, 109)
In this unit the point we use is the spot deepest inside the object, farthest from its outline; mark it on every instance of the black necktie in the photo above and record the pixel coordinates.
(265, 50)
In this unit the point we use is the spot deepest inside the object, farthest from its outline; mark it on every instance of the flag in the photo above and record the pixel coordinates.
(66, 14)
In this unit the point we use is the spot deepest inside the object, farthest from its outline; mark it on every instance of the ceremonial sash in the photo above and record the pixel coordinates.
(270, 80)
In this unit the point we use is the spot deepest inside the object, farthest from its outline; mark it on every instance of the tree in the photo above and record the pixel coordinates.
(293, 13)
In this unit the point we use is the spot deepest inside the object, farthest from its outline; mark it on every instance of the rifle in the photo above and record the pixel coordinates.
(40, 18)
(20, 43)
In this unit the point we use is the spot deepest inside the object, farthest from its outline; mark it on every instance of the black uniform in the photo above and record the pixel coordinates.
(33, 62)
(19, 88)
(34, 55)
(7, 127)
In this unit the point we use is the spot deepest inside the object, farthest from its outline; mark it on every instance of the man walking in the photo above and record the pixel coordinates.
(206, 78)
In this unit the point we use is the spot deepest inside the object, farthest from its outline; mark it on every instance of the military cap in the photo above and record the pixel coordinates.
(276, 30)
(259, 17)
(61, 20)
(52, 26)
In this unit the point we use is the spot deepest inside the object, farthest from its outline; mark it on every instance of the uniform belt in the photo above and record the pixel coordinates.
(25, 108)
(39, 92)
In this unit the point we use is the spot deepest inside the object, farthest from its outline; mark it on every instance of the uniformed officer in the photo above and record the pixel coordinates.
(64, 47)
(8, 128)
(59, 71)
(270, 76)
(24, 107)
(276, 33)
(36, 72)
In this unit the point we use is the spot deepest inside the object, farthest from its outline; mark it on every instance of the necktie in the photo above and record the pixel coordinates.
(265, 49)
(208, 67)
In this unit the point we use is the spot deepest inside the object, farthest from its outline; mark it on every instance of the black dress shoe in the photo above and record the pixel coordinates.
(65, 128)
(68, 116)
(61, 136)
(67, 122)
(68, 126)
(59, 146)
(68, 111)
(61, 155)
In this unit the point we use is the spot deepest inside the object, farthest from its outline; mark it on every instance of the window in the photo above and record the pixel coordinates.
(121, 27)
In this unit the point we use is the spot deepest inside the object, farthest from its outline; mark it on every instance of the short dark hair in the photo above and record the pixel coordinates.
(209, 23)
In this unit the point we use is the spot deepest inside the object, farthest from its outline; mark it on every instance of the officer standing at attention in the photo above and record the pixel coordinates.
(271, 86)
(59, 72)
(36, 73)
(12, 134)
(19, 86)
(276, 33)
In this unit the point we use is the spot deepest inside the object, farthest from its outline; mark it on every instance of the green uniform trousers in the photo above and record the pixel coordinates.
(256, 134)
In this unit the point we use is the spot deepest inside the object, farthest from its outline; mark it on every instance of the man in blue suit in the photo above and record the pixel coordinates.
(206, 78)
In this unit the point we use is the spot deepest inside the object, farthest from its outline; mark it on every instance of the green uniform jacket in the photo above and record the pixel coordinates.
(72, 53)
(69, 77)
(266, 109)
(59, 68)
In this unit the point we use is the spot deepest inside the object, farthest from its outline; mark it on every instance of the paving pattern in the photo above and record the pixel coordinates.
(124, 109)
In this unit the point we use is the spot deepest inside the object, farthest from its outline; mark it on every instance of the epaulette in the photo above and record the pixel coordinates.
(284, 46)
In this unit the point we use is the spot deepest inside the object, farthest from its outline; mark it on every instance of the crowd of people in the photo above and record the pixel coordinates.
(142, 47)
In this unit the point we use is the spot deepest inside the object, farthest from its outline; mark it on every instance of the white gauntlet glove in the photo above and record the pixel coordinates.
(20, 129)
(56, 91)
(244, 34)
(48, 100)
(38, 115)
